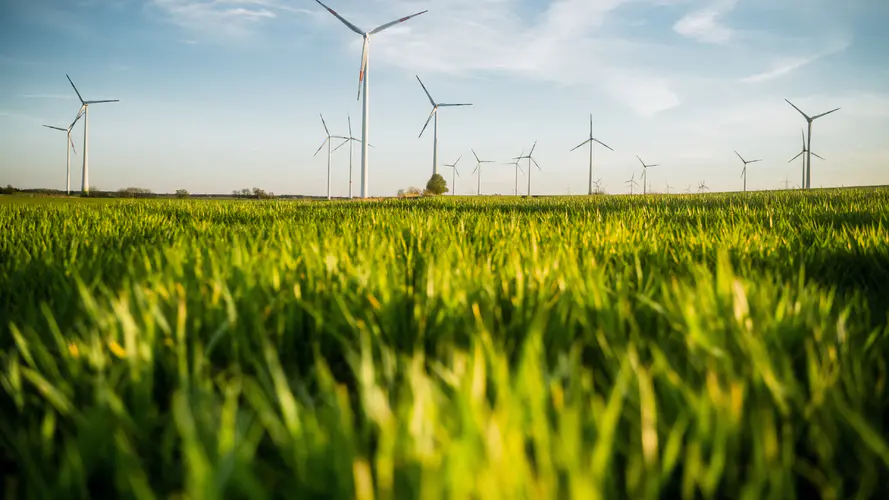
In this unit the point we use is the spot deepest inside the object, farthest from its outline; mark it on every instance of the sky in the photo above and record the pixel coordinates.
(218, 95)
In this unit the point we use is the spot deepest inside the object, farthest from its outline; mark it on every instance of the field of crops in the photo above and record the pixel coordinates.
(712, 346)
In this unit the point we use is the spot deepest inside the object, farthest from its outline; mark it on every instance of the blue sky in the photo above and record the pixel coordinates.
(219, 95)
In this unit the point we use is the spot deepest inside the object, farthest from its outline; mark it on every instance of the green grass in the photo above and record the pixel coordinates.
(714, 346)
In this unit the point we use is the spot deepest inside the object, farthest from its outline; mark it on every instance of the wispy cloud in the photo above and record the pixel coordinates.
(706, 25)
(47, 96)
(222, 18)
(783, 66)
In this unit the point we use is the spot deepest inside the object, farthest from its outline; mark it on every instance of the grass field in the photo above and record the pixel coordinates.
(712, 346)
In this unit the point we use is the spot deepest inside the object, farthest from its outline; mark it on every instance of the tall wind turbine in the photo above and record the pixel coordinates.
(518, 168)
(327, 141)
(591, 140)
(530, 159)
(478, 168)
(632, 183)
(68, 150)
(84, 110)
(645, 174)
(744, 172)
(350, 142)
(362, 79)
(809, 120)
(804, 151)
(435, 108)
(456, 174)
(703, 187)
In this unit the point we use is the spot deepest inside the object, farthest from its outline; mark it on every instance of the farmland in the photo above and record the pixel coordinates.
(608, 347)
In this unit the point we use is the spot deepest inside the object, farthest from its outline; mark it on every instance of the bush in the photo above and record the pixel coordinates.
(8, 189)
(133, 192)
(411, 192)
(436, 185)
(181, 193)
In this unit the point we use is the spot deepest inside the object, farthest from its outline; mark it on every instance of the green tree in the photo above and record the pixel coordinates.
(181, 193)
(436, 185)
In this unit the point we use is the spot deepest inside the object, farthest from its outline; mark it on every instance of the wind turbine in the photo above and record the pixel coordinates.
(350, 141)
(744, 172)
(530, 159)
(363, 78)
(668, 187)
(632, 182)
(804, 151)
(809, 120)
(591, 140)
(702, 187)
(456, 174)
(518, 168)
(645, 174)
(598, 185)
(479, 170)
(68, 150)
(327, 141)
(435, 107)
(84, 110)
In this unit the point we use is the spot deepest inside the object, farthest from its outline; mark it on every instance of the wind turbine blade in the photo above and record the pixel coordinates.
(76, 119)
(326, 131)
(640, 161)
(754, 161)
(363, 67)
(350, 126)
(75, 89)
(825, 114)
(476, 156)
(393, 23)
(101, 102)
(602, 143)
(458, 161)
(739, 156)
(434, 110)
(591, 125)
(652, 166)
(72, 145)
(322, 146)
(56, 128)
(474, 171)
(803, 133)
(816, 156)
(456, 171)
(800, 111)
(797, 156)
(341, 145)
(535, 163)
(452, 105)
(431, 100)
(580, 145)
(341, 18)
(532, 148)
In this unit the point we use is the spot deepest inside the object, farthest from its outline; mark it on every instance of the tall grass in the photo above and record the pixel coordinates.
(677, 346)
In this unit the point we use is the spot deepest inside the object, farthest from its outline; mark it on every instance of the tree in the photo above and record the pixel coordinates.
(181, 193)
(436, 185)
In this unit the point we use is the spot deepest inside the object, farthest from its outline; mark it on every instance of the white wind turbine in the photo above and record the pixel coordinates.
(809, 120)
(804, 151)
(435, 107)
(363, 79)
(632, 183)
(591, 140)
(645, 174)
(518, 168)
(478, 168)
(456, 174)
(350, 141)
(530, 159)
(68, 150)
(84, 110)
(744, 172)
(327, 141)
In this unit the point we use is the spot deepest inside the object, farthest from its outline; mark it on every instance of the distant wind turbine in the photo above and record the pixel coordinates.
(645, 174)
(350, 142)
(703, 187)
(515, 162)
(456, 174)
(435, 108)
(632, 183)
(68, 150)
(668, 187)
(530, 159)
(84, 110)
(809, 120)
(804, 151)
(598, 184)
(744, 172)
(590, 141)
(478, 168)
(327, 141)
(363, 78)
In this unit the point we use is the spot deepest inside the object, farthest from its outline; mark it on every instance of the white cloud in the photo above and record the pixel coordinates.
(705, 25)
(222, 18)
(783, 66)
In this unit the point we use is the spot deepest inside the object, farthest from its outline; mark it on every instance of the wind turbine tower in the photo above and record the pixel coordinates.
(803, 152)
(363, 79)
(645, 174)
(515, 162)
(590, 141)
(478, 168)
(744, 172)
(456, 174)
(809, 120)
(68, 150)
(84, 110)
(327, 141)
(530, 158)
(435, 108)
(351, 141)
